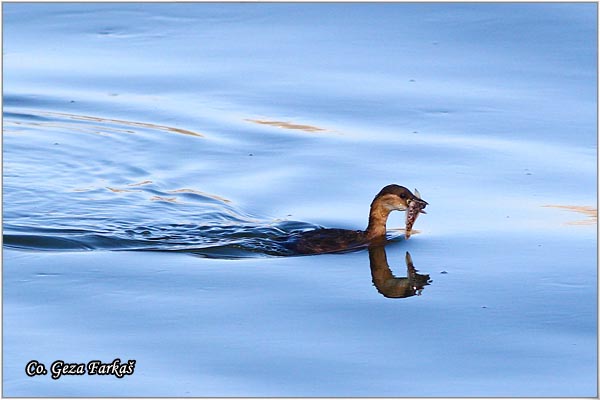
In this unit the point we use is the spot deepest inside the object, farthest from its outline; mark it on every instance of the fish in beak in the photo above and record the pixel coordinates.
(416, 206)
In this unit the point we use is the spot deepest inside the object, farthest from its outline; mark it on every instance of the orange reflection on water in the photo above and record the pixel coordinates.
(591, 212)
(140, 183)
(123, 122)
(117, 190)
(87, 189)
(288, 125)
(212, 196)
(160, 198)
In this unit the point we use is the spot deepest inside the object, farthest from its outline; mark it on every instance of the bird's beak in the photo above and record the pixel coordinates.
(422, 202)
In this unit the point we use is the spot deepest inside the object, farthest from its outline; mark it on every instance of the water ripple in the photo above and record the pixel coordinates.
(79, 182)
(215, 241)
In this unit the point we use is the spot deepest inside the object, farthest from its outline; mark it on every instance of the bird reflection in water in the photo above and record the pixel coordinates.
(389, 285)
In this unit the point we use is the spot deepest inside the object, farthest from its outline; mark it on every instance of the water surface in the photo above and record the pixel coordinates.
(156, 156)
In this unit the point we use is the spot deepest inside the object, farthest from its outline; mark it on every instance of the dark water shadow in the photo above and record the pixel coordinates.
(228, 239)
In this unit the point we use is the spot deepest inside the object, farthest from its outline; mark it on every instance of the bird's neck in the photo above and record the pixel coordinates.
(377, 219)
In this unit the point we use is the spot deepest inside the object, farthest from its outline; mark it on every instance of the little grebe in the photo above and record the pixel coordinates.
(390, 198)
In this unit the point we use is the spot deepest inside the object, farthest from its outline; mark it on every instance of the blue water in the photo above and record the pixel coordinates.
(210, 133)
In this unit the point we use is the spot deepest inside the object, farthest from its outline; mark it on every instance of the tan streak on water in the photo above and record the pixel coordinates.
(288, 125)
(123, 122)
(117, 190)
(160, 198)
(212, 196)
(590, 211)
(140, 183)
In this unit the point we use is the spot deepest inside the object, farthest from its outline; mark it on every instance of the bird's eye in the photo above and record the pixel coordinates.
(402, 195)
